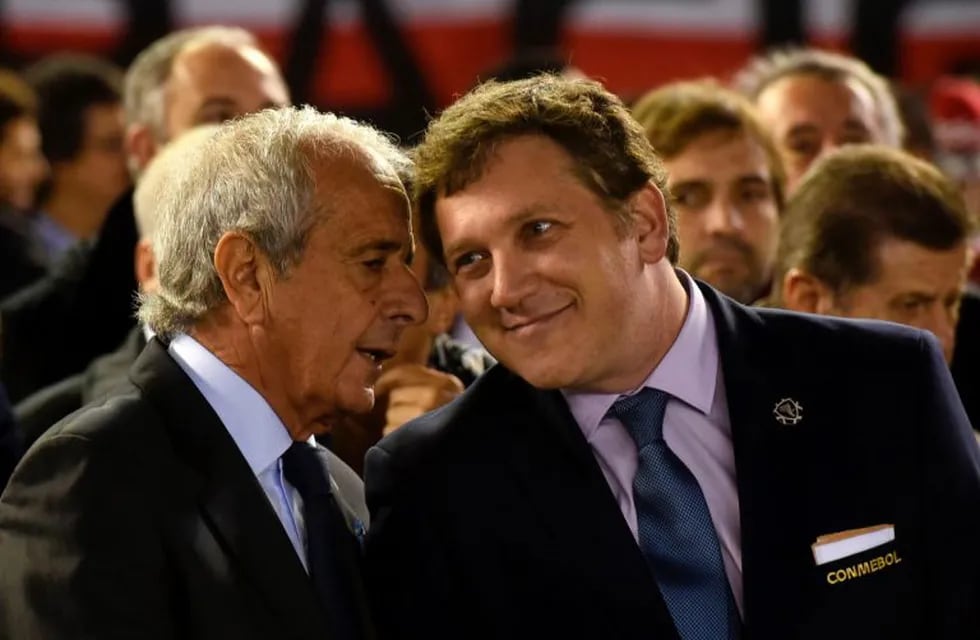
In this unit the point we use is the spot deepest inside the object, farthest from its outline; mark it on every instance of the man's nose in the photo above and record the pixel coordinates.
(509, 281)
(722, 217)
(406, 303)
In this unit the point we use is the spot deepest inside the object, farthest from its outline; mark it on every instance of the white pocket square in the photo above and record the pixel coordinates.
(835, 546)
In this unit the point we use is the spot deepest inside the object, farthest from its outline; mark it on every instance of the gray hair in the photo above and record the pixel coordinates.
(764, 70)
(158, 175)
(143, 92)
(255, 176)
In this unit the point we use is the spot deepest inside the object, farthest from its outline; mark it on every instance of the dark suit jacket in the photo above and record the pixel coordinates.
(37, 412)
(492, 519)
(139, 518)
(82, 309)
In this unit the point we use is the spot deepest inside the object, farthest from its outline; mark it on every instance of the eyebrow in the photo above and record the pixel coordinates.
(753, 178)
(384, 246)
(687, 184)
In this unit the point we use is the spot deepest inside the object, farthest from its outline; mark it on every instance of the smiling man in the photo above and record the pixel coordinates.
(726, 183)
(651, 459)
(194, 502)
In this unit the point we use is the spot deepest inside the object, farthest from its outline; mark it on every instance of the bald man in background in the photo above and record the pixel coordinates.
(190, 77)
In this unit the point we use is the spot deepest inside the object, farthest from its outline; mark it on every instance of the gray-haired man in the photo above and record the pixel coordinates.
(195, 503)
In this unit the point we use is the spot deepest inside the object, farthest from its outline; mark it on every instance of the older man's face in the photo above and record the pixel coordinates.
(212, 82)
(916, 286)
(338, 315)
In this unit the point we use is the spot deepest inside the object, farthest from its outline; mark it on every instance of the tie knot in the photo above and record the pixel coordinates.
(306, 469)
(642, 414)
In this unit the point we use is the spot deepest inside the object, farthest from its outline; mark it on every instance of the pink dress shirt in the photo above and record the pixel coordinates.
(696, 428)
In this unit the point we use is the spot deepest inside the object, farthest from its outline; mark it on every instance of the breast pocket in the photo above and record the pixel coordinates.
(866, 594)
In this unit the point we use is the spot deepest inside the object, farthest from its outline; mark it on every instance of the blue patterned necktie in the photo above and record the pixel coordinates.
(327, 539)
(675, 530)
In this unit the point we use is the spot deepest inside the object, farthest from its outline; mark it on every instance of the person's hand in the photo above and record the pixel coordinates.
(413, 389)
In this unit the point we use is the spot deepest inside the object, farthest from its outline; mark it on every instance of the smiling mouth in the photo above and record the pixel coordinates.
(538, 320)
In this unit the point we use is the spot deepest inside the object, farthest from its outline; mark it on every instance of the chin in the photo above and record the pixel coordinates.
(357, 401)
(544, 376)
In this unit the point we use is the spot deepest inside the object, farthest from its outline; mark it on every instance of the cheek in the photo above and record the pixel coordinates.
(687, 224)
(763, 226)
(474, 298)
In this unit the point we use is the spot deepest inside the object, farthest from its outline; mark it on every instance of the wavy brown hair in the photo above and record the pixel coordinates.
(610, 152)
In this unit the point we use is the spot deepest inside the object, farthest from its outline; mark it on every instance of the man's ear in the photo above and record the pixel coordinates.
(802, 291)
(145, 264)
(650, 225)
(245, 274)
(141, 145)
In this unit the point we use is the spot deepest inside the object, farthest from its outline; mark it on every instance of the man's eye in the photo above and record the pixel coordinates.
(912, 305)
(855, 137)
(754, 194)
(216, 117)
(467, 260)
(691, 198)
(540, 226)
(377, 264)
(804, 147)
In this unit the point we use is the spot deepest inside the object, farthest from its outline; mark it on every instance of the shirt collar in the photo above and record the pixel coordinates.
(257, 431)
(688, 371)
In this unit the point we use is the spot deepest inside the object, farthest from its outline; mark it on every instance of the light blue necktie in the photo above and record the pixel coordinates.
(675, 530)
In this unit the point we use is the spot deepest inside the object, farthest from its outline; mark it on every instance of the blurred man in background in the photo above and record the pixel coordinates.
(22, 163)
(80, 115)
(22, 168)
(725, 180)
(814, 101)
(190, 77)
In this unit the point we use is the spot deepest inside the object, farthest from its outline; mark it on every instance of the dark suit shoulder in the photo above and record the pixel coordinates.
(451, 430)
(125, 419)
(774, 337)
(422, 436)
(36, 413)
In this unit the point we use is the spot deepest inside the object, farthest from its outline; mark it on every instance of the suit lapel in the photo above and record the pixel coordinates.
(233, 503)
(577, 508)
(775, 552)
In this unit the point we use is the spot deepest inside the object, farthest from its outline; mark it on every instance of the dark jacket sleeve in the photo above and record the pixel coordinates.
(80, 554)
(951, 483)
(38, 412)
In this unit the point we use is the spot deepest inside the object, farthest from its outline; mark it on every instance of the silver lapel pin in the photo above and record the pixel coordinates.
(788, 411)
